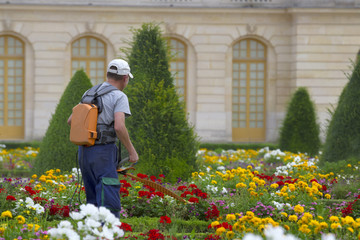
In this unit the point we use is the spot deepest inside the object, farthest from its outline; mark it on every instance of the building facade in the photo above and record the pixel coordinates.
(236, 66)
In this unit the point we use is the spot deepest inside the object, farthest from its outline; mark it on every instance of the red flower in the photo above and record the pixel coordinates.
(203, 195)
(192, 186)
(124, 192)
(194, 200)
(140, 175)
(181, 188)
(144, 194)
(39, 199)
(2, 189)
(165, 219)
(30, 190)
(126, 227)
(212, 237)
(184, 194)
(54, 209)
(212, 212)
(153, 178)
(125, 184)
(65, 211)
(160, 194)
(161, 175)
(10, 198)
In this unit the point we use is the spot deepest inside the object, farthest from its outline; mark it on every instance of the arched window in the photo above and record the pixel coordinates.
(178, 66)
(248, 90)
(11, 88)
(89, 54)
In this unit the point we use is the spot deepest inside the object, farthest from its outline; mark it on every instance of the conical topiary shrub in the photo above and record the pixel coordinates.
(163, 138)
(300, 131)
(343, 133)
(56, 150)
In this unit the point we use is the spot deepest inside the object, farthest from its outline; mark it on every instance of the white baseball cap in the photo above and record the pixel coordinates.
(122, 67)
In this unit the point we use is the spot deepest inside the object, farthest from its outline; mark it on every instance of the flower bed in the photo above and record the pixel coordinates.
(242, 194)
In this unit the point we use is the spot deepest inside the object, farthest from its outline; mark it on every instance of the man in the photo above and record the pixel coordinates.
(98, 162)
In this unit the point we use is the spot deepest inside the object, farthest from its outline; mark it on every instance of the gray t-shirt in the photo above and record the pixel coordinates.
(114, 101)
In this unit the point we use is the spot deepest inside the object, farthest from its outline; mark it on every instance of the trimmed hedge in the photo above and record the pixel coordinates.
(158, 127)
(300, 131)
(15, 145)
(56, 150)
(234, 146)
(343, 134)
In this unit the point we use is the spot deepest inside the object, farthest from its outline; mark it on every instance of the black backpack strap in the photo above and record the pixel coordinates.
(91, 94)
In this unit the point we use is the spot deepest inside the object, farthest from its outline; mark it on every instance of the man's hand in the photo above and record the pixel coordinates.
(133, 157)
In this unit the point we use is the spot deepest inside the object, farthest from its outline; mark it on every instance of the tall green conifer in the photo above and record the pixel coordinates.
(56, 150)
(343, 134)
(300, 131)
(165, 141)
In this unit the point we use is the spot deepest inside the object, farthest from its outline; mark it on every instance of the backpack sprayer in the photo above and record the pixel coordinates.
(124, 167)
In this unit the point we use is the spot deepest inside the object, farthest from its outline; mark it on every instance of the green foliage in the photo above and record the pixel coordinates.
(141, 224)
(163, 138)
(14, 145)
(300, 131)
(56, 150)
(234, 146)
(343, 133)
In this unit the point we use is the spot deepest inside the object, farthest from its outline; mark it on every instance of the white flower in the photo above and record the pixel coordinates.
(65, 224)
(39, 209)
(91, 223)
(328, 236)
(251, 236)
(76, 215)
(59, 233)
(90, 210)
(29, 202)
(221, 168)
(224, 191)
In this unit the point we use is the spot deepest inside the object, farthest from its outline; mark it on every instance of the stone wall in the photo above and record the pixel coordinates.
(306, 47)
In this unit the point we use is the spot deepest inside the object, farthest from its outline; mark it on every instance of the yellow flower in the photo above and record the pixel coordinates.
(6, 214)
(58, 170)
(20, 219)
(284, 214)
(34, 176)
(298, 209)
(293, 218)
(2, 230)
(249, 167)
(230, 217)
(274, 185)
(213, 182)
(213, 224)
(241, 185)
(350, 229)
(349, 165)
(335, 225)
(250, 214)
(334, 219)
(220, 231)
(304, 228)
(328, 196)
(230, 234)
(287, 228)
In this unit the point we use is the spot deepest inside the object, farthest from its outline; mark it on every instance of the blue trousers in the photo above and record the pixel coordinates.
(98, 168)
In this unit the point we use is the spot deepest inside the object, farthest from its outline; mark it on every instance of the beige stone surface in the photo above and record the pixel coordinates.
(310, 47)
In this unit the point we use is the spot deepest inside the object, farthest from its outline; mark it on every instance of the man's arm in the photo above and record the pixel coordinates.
(69, 120)
(123, 135)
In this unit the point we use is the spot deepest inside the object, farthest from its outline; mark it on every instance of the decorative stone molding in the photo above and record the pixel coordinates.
(251, 28)
(194, 3)
(90, 26)
(170, 28)
(7, 25)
